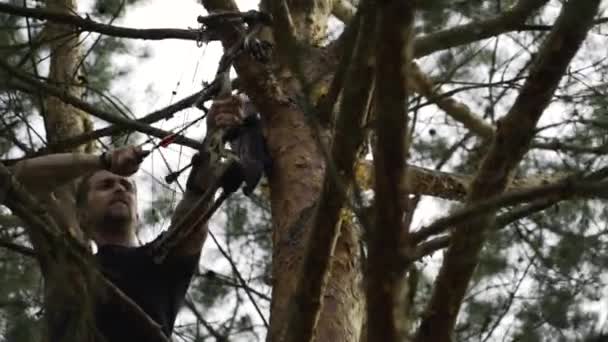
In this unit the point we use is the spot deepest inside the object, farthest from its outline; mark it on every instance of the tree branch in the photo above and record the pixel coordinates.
(388, 240)
(565, 189)
(450, 186)
(508, 21)
(344, 10)
(87, 24)
(283, 30)
(455, 109)
(76, 102)
(577, 149)
(435, 244)
(512, 139)
(27, 251)
(326, 105)
(148, 119)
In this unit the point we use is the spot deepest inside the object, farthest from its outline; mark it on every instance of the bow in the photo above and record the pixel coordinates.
(248, 159)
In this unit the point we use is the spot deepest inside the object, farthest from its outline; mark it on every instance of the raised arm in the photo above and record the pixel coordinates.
(44, 174)
(226, 112)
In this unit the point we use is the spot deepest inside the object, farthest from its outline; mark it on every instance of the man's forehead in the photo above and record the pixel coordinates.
(104, 175)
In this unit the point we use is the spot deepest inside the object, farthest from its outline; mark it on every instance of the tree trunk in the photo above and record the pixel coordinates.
(296, 181)
(67, 298)
(62, 120)
(295, 186)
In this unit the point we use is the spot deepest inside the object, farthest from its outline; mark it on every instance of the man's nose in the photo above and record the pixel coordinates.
(119, 186)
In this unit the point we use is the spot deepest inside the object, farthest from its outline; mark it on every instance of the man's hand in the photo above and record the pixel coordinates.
(124, 161)
(226, 112)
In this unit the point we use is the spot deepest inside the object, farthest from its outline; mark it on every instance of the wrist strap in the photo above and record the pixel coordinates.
(104, 161)
(191, 183)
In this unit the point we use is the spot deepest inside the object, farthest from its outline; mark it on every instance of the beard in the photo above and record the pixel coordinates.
(117, 218)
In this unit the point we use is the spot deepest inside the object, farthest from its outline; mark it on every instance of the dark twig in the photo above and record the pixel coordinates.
(76, 102)
(87, 24)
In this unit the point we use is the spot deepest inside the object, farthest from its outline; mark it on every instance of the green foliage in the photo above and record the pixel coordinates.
(19, 286)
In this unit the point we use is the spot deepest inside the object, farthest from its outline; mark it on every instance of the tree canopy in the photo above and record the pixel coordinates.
(439, 169)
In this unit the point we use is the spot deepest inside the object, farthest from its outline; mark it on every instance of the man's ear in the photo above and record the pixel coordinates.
(82, 218)
(137, 223)
(83, 223)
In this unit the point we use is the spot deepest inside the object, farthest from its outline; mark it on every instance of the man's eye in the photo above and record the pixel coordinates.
(106, 184)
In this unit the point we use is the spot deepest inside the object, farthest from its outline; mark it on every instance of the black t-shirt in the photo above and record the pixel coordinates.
(158, 289)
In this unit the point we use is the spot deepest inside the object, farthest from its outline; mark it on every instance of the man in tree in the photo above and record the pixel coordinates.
(106, 211)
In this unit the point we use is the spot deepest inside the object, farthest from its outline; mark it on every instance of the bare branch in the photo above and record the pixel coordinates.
(388, 246)
(76, 102)
(87, 24)
(450, 186)
(508, 21)
(455, 109)
(512, 139)
(567, 188)
(566, 147)
(190, 305)
(435, 244)
(326, 105)
(151, 118)
(344, 10)
(27, 251)
(431, 246)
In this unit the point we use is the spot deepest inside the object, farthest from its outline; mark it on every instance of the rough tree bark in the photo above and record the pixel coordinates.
(297, 179)
(68, 297)
(61, 119)
(388, 239)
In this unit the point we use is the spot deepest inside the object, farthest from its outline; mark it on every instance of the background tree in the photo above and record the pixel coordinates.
(492, 111)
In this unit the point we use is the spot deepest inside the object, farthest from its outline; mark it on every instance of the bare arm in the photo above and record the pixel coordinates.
(194, 243)
(44, 174)
(224, 113)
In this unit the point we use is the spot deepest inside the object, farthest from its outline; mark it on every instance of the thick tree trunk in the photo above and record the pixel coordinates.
(63, 120)
(295, 184)
(344, 301)
(67, 298)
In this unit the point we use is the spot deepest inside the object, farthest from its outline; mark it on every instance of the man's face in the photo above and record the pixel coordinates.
(111, 201)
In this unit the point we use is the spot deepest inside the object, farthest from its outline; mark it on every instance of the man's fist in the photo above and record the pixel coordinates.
(124, 161)
(226, 112)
